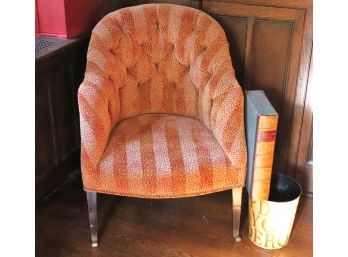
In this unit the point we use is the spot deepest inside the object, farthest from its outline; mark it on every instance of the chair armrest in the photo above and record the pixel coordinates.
(227, 125)
(256, 105)
(95, 126)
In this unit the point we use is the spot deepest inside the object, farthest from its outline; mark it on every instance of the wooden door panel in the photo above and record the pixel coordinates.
(44, 141)
(249, 10)
(268, 53)
(269, 65)
(58, 71)
(304, 169)
(236, 32)
(61, 91)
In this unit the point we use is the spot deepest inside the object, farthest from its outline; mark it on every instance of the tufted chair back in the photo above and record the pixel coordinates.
(160, 58)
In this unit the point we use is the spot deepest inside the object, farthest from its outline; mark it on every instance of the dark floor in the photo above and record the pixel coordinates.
(191, 227)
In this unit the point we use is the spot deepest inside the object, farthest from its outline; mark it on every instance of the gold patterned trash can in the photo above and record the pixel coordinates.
(270, 222)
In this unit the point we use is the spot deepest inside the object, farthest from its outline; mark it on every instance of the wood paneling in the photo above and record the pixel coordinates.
(43, 130)
(304, 169)
(273, 43)
(236, 30)
(62, 93)
(297, 4)
(59, 71)
(269, 65)
(301, 90)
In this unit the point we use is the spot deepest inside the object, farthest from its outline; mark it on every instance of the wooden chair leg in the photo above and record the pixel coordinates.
(236, 212)
(92, 211)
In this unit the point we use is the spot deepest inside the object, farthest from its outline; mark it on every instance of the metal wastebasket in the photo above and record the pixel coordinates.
(270, 222)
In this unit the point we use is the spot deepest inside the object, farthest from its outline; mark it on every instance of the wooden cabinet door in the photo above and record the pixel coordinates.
(265, 45)
(58, 73)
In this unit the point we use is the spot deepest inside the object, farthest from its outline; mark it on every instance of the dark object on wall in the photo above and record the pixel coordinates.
(59, 69)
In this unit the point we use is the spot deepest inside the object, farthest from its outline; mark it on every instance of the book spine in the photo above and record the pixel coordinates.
(264, 153)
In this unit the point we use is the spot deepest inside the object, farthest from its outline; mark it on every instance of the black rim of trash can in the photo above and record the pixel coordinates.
(284, 188)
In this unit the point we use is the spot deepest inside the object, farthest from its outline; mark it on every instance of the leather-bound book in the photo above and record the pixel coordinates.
(261, 123)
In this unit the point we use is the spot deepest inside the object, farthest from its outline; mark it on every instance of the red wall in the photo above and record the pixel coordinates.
(81, 15)
(66, 18)
(37, 24)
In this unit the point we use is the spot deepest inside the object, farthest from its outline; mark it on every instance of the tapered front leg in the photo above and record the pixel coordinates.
(92, 211)
(236, 212)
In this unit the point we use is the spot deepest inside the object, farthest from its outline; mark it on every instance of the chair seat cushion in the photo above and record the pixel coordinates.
(163, 156)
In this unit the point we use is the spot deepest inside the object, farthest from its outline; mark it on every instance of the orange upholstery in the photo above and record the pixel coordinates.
(161, 111)
(158, 155)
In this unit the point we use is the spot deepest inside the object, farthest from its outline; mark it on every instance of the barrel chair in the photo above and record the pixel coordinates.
(161, 111)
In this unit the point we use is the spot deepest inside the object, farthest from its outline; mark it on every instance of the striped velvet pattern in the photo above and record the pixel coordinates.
(161, 111)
